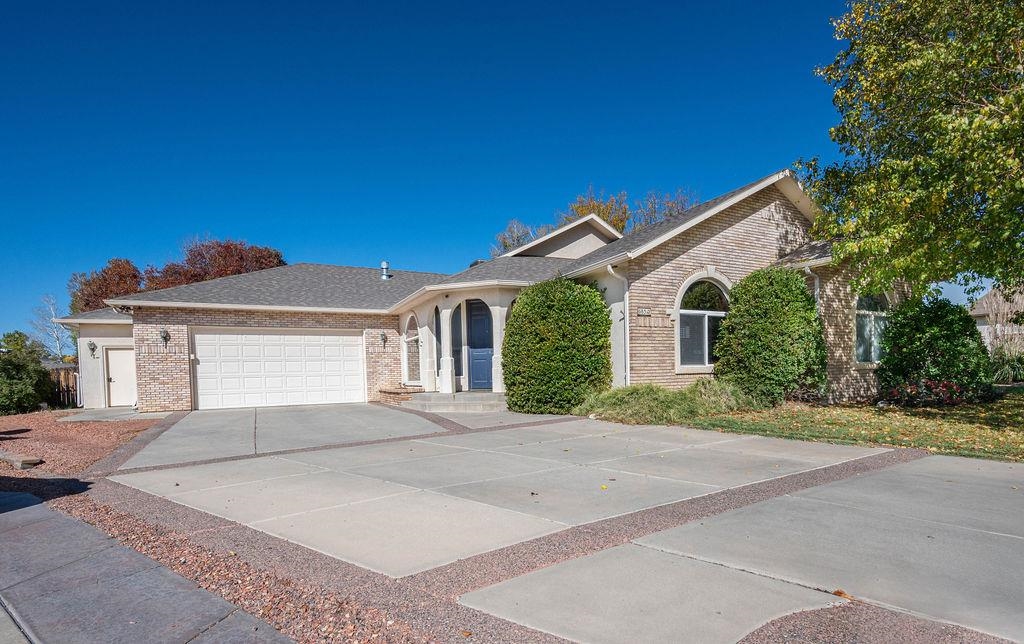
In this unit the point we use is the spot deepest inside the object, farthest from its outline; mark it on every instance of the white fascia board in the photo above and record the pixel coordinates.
(456, 286)
(589, 268)
(76, 321)
(591, 219)
(239, 307)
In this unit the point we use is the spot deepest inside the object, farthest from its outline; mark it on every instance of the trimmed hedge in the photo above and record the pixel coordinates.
(771, 344)
(557, 347)
(933, 353)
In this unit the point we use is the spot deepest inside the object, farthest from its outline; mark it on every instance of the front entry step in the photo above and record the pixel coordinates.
(462, 401)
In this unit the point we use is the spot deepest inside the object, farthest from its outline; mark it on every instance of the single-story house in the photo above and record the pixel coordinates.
(996, 318)
(309, 333)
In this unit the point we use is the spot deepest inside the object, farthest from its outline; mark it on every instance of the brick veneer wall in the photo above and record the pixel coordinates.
(164, 373)
(745, 237)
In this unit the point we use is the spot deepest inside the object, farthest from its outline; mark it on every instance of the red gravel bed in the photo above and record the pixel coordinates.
(303, 612)
(66, 448)
(865, 624)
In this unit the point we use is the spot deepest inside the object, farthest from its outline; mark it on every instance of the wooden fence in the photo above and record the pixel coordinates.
(65, 385)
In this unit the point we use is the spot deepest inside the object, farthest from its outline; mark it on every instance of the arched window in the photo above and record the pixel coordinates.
(411, 351)
(701, 309)
(870, 321)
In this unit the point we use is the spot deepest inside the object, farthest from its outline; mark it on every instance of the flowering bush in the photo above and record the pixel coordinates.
(928, 392)
(933, 355)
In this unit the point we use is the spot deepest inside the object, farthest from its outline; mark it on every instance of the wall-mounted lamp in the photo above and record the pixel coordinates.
(92, 348)
(383, 339)
(165, 335)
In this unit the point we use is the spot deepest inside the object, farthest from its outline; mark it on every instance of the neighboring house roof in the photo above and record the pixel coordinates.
(99, 316)
(600, 225)
(994, 300)
(311, 287)
(510, 269)
(640, 241)
(813, 253)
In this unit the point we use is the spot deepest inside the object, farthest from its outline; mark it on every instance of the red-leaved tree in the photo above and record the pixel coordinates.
(212, 258)
(88, 290)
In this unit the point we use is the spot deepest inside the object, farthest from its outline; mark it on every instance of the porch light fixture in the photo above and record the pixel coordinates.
(165, 335)
(92, 348)
(383, 339)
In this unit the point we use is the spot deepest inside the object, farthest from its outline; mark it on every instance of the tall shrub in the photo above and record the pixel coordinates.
(24, 382)
(933, 353)
(557, 347)
(771, 344)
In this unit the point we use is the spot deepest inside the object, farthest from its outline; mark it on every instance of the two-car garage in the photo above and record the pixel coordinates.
(268, 367)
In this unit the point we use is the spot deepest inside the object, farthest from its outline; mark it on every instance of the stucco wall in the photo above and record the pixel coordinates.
(92, 376)
(570, 244)
(165, 372)
(745, 237)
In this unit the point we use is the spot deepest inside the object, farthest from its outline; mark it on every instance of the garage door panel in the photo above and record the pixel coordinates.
(277, 368)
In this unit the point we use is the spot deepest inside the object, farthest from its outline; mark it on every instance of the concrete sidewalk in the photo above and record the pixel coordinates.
(64, 581)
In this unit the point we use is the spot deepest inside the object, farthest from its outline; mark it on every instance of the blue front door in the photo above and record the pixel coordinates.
(481, 344)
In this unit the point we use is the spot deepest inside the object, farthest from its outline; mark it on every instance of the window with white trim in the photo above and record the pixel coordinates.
(701, 310)
(870, 322)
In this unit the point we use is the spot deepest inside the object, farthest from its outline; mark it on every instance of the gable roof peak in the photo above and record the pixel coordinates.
(600, 225)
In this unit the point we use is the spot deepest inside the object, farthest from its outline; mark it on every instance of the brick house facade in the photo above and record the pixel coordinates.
(444, 333)
(164, 371)
(741, 239)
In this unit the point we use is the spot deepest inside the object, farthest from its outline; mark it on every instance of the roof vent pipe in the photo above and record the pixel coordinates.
(384, 274)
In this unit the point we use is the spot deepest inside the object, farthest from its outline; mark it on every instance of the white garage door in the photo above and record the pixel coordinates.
(286, 367)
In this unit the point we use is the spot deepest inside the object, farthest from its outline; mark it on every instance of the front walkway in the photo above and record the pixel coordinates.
(65, 581)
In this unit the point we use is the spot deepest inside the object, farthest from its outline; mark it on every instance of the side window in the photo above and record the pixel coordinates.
(870, 321)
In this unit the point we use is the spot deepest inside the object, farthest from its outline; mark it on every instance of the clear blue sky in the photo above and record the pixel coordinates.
(349, 133)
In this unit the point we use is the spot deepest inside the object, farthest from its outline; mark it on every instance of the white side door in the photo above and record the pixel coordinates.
(121, 391)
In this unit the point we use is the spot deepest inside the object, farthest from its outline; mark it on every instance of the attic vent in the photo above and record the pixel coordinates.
(384, 274)
(477, 262)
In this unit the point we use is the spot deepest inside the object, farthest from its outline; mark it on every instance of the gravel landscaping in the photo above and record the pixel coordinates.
(66, 448)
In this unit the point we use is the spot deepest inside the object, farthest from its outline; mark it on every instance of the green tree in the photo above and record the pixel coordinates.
(24, 383)
(931, 99)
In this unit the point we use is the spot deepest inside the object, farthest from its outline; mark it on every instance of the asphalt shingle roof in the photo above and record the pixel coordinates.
(299, 285)
(994, 301)
(638, 238)
(811, 251)
(525, 269)
(105, 314)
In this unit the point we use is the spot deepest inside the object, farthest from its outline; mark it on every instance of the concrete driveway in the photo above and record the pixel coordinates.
(938, 537)
(226, 433)
(404, 507)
